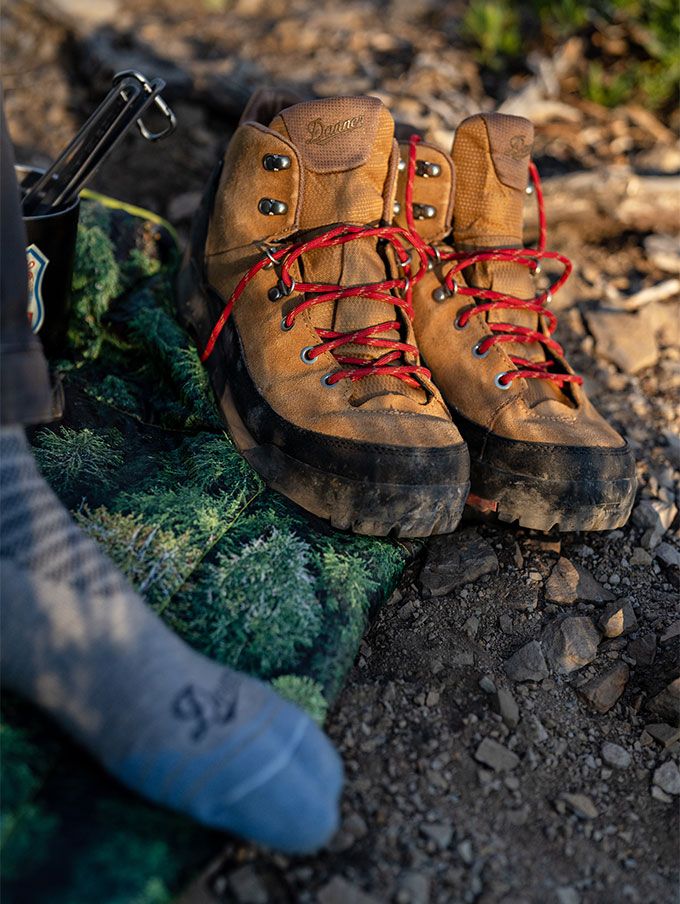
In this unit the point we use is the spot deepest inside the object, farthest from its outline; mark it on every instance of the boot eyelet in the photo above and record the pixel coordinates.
(441, 293)
(476, 352)
(548, 298)
(457, 324)
(270, 207)
(285, 327)
(325, 381)
(424, 211)
(498, 381)
(275, 162)
(427, 170)
(396, 208)
(529, 189)
(401, 166)
(305, 355)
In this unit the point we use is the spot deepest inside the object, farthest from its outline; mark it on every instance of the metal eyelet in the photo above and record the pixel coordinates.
(304, 354)
(286, 328)
(281, 290)
(424, 211)
(270, 207)
(548, 298)
(407, 285)
(441, 293)
(427, 170)
(457, 324)
(537, 270)
(325, 381)
(476, 352)
(275, 162)
(529, 189)
(396, 208)
(401, 166)
(497, 380)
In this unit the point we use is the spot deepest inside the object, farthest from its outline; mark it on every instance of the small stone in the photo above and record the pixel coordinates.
(471, 626)
(658, 794)
(454, 560)
(643, 649)
(570, 643)
(432, 698)
(496, 756)
(666, 705)
(581, 805)
(618, 618)
(623, 338)
(602, 691)
(486, 683)
(654, 516)
(505, 704)
(667, 777)
(340, 891)
(671, 632)
(247, 886)
(663, 252)
(527, 663)
(664, 734)
(569, 582)
(640, 556)
(615, 755)
(439, 832)
(414, 888)
(466, 852)
(566, 894)
(668, 554)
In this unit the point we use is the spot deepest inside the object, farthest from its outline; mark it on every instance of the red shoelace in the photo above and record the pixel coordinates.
(491, 300)
(394, 292)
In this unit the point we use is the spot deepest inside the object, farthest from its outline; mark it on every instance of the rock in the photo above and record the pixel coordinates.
(666, 735)
(623, 339)
(466, 852)
(604, 690)
(454, 560)
(504, 703)
(668, 554)
(527, 663)
(666, 705)
(570, 643)
(643, 649)
(247, 886)
(496, 756)
(615, 755)
(618, 618)
(663, 252)
(340, 891)
(83, 15)
(569, 582)
(439, 832)
(182, 207)
(658, 794)
(671, 632)
(667, 777)
(580, 804)
(640, 556)
(414, 888)
(655, 515)
(567, 894)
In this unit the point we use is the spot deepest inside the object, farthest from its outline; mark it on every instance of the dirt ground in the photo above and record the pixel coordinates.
(475, 773)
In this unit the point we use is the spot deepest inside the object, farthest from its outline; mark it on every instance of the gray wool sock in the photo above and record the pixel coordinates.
(176, 727)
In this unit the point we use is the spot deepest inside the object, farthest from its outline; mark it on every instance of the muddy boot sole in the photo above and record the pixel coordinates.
(516, 481)
(349, 493)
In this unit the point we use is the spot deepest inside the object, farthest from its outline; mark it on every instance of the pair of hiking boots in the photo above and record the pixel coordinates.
(376, 333)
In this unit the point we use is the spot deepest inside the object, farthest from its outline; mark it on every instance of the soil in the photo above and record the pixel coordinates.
(447, 800)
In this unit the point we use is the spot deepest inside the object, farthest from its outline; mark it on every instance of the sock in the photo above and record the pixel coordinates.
(178, 728)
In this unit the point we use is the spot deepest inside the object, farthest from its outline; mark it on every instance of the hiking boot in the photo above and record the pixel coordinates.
(298, 292)
(540, 453)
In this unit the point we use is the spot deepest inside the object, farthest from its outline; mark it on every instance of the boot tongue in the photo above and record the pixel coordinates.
(346, 151)
(491, 153)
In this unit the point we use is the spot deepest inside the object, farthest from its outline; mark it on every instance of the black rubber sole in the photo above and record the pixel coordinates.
(355, 490)
(519, 482)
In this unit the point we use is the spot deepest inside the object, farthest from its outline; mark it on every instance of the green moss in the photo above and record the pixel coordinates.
(73, 459)
(493, 28)
(305, 693)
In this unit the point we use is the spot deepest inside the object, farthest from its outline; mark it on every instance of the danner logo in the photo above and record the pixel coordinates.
(518, 147)
(319, 132)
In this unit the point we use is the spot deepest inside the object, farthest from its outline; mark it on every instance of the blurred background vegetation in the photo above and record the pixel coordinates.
(632, 46)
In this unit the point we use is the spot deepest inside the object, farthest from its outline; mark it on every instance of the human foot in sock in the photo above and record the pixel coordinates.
(174, 726)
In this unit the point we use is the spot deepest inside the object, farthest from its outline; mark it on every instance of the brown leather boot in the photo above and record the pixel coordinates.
(303, 320)
(540, 453)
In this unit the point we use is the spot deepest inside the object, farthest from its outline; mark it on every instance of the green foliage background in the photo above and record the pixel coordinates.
(144, 463)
